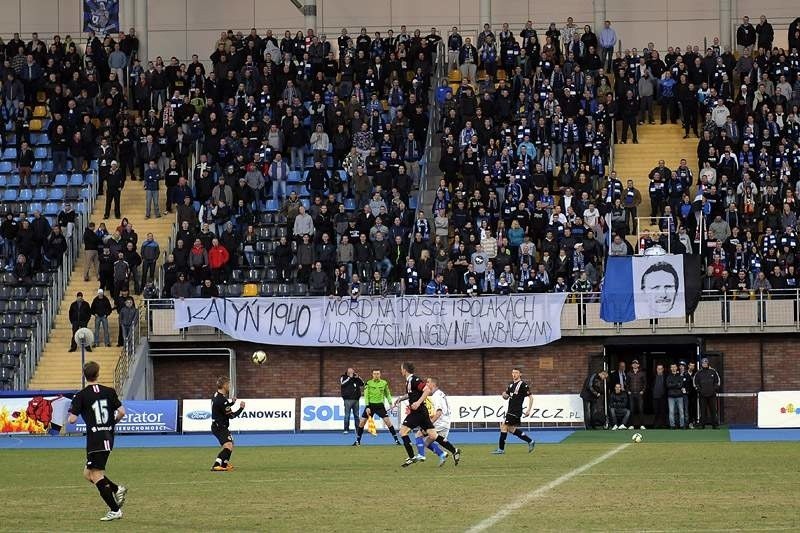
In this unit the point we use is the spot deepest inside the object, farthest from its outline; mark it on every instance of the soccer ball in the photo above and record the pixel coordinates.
(259, 357)
(637, 437)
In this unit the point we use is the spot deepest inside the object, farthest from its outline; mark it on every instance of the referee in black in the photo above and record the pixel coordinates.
(221, 414)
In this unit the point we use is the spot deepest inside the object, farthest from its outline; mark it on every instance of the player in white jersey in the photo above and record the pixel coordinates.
(441, 418)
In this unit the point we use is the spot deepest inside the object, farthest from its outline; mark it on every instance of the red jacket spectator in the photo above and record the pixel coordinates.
(218, 256)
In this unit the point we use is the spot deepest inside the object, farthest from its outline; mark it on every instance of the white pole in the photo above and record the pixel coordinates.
(310, 14)
(128, 18)
(141, 30)
(485, 13)
(599, 7)
(725, 26)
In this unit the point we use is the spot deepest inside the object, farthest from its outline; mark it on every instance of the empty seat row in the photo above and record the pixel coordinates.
(8, 320)
(23, 293)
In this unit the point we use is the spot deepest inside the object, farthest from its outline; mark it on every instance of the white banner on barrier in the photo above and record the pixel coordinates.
(382, 323)
(327, 413)
(547, 408)
(274, 414)
(779, 409)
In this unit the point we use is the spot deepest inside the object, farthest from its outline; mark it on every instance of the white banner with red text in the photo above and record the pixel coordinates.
(426, 322)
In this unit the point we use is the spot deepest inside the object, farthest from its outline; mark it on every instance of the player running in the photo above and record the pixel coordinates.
(100, 408)
(420, 436)
(221, 414)
(441, 419)
(376, 393)
(515, 393)
(417, 391)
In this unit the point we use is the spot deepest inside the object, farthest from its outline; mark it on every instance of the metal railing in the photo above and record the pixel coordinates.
(717, 312)
(55, 294)
(440, 59)
(129, 346)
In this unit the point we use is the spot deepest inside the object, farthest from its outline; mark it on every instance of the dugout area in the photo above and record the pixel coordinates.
(652, 351)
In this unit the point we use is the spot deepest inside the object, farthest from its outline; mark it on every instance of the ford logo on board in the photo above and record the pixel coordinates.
(198, 415)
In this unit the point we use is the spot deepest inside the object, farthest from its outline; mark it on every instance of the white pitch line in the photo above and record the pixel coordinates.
(541, 491)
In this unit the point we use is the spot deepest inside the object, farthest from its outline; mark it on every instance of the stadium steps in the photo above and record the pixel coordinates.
(635, 161)
(59, 369)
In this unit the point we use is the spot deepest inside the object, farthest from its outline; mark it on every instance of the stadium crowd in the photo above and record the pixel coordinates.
(307, 154)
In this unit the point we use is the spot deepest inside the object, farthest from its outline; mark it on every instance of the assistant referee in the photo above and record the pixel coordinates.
(376, 394)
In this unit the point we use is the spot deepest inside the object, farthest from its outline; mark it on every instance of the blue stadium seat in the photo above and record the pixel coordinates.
(85, 194)
(56, 194)
(350, 204)
(60, 180)
(87, 179)
(40, 152)
(40, 195)
(25, 195)
(303, 191)
(412, 203)
(93, 164)
(295, 176)
(272, 205)
(342, 175)
(10, 195)
(76, 180)
(10, 154)
(51, 208)
(6, 167)
(306, 203)
(47, 165)
(81, 207)
(37, 166)
(34, 206)
(3, 180)
(13, 180)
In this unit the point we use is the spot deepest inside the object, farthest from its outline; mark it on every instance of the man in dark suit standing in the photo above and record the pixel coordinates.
(591, 394)
(618, 376)
(114, 184)
(80, 312)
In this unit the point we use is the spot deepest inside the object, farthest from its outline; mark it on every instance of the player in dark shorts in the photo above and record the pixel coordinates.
(418, 417)
(515, 393)
(100, 408)
(376, 394)
(221, 414)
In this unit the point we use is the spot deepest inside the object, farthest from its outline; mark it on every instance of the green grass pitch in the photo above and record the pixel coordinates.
(664, 484)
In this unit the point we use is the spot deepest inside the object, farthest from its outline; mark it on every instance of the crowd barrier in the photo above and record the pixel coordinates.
(46, 413)
(775, 311)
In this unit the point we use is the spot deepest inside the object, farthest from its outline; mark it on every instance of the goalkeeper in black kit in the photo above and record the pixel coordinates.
(221, 414)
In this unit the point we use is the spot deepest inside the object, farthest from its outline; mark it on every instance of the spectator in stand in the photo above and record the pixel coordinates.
(114, 184)
(91, 246)
(101, 309)
(318, 282)
(152, 179)
(150, 253)
(128, 317)
(25, 162)
(79, 315)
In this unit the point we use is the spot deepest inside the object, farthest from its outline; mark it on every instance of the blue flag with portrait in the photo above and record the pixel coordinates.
(101, 16)
(647, 287)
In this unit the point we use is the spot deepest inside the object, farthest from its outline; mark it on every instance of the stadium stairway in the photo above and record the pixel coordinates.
(60, 370)
(635, 161)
